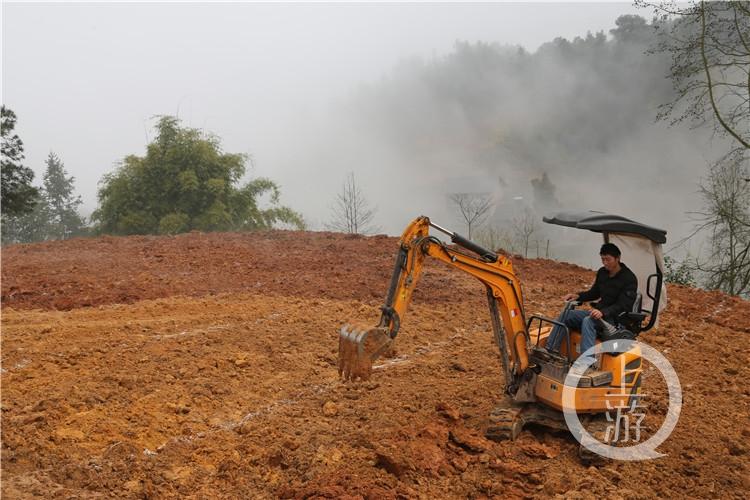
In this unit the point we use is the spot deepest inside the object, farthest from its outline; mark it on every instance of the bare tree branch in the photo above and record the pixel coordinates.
(524, 227)
(351, 212)
(473, 207)
(715, 108)
(710, 51)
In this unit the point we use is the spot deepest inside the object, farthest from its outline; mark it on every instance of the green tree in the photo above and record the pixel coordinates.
(28, 227)
(63, 220)
(632, 29)
(55, 215)
(679, 272)
(18, 195)
(185, 182)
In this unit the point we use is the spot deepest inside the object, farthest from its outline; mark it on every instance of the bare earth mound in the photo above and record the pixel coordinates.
(205, 365)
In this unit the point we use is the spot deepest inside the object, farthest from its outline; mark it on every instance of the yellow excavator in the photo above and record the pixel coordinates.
(534, 377)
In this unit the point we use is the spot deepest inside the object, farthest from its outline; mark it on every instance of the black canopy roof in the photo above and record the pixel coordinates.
(609, 223)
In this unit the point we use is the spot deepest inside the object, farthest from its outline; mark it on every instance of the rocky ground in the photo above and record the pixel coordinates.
(204, 365)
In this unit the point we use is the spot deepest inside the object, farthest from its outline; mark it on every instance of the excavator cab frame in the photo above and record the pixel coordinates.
(641, 247)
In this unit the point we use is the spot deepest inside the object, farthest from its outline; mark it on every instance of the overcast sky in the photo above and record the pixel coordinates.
(85, 79)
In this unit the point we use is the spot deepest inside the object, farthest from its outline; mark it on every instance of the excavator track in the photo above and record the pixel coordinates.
(508, 419)
(506, 423)
(597, 427)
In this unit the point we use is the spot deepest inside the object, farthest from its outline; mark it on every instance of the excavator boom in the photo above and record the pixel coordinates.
(360, 347)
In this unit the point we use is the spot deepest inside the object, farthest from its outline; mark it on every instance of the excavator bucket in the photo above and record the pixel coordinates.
(358, 348)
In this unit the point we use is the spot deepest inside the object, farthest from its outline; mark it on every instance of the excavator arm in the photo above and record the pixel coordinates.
(359, 347)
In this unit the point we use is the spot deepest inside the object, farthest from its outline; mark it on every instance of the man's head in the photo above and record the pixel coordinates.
(610, 255)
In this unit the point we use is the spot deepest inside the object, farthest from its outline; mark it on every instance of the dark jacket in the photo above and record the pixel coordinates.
(616, 293)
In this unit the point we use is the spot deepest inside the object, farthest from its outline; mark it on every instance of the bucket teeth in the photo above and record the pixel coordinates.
(358, 348)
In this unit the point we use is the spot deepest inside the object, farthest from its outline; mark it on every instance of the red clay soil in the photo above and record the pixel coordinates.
(204, 365)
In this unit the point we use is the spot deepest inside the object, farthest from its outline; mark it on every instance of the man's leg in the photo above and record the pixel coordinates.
(573, 320)
(588, 336)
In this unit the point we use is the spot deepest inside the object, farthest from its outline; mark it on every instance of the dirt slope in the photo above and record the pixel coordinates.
(204, 365)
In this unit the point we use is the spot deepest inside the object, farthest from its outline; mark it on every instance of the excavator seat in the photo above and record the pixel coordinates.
(633, 320)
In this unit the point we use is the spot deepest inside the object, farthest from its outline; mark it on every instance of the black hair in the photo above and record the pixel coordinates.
(610, 249)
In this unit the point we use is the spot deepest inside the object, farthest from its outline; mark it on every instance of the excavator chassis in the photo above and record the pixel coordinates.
(508, 419)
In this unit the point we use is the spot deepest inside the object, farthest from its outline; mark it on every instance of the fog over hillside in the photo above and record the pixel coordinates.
(492, 118)
(313, 92)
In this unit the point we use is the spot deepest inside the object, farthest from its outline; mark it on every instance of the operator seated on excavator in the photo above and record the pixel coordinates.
(615, 286)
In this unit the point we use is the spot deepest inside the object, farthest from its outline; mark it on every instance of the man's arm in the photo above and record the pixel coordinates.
(591, 294)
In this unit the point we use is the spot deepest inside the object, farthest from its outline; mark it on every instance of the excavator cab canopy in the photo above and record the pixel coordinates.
(606, 223)
(641, 247)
